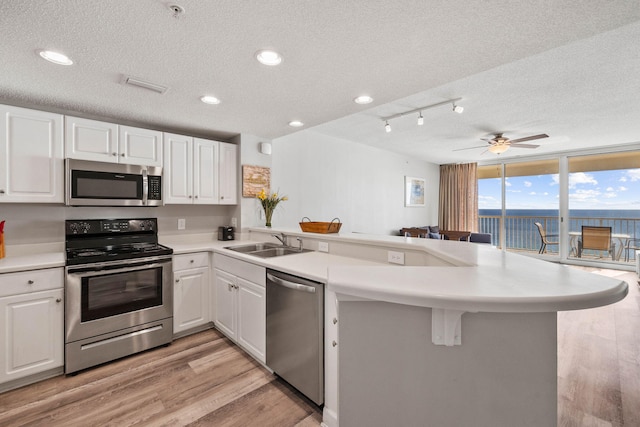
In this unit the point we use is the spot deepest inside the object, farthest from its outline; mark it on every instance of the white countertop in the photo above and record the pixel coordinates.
(480, 278)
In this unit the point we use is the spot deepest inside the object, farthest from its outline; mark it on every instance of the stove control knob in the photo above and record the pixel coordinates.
(73, 227)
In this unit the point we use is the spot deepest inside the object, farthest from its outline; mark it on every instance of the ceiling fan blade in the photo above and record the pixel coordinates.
(470, 148)
(530, 138)
(524, 145)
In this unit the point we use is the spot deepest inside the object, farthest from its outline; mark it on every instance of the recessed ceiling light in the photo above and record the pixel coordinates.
(208, 99)
(296, 123)
(363, 99)
(55, 57)
(268, 57)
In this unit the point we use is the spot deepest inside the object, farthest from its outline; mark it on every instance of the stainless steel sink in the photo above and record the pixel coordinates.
(267, 250)
(253, 247)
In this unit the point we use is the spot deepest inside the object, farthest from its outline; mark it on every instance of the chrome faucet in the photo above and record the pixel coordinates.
(299, 243)
(282, 237)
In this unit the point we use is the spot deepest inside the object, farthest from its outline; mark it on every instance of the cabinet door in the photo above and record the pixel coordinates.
(251, 332)
(228, 173)
(225, 300)
(32, 336)
(205, 171)
(31, 158)
(91, 140)
(178, 169)
(139, 146)
(190, 299)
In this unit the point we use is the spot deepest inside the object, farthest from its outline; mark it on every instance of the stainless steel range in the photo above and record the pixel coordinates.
(118, 295)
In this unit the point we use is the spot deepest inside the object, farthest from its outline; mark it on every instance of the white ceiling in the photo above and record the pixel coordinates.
(568, 68)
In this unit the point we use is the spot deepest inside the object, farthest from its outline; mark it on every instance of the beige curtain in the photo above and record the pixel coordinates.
(458, 204)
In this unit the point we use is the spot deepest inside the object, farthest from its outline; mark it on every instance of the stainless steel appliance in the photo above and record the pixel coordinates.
(118, 294)
(295, 332)
(112, 184)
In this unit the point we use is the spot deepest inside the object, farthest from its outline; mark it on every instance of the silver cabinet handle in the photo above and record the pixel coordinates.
(58, 300)
(196, 196)
(333, 343)
(114, 154)
(177, 280)
(335, 320)
(122, 155)
(31, 282)
(192, 261)
(291, 285)
(1, 191)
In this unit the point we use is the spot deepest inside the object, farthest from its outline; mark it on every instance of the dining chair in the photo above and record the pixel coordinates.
(544, 238)
(480, 238)
(597, 239)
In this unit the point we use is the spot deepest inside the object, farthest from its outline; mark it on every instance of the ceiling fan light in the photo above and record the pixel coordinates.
(458, 109)
(498, 148)
(387, 127)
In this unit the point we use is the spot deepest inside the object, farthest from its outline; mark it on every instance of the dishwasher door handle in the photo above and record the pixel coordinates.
(291, 285)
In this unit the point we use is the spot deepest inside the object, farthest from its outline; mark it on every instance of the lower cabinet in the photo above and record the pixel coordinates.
(190, 291)
(240, 303)
(32, 318)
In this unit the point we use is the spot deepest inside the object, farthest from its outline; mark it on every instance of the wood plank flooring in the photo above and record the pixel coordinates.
(205, 380)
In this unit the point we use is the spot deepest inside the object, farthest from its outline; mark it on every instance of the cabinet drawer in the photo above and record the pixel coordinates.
(31, 281)
(251, 272)
(188, 261)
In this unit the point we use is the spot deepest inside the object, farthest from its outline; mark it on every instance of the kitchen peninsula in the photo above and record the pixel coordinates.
(463, 334)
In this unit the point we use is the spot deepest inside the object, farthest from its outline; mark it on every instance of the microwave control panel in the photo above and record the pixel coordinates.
(155, 187)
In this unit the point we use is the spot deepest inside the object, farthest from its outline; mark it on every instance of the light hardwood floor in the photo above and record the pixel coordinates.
(204, 380)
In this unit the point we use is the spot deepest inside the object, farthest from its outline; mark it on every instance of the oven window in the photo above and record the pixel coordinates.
(111, 294)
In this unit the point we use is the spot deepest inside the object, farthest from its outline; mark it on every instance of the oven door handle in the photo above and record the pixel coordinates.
(100, 270)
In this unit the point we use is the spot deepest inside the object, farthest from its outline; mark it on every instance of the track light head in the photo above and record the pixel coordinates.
(457, 109)
(387, 127)
(420, 119)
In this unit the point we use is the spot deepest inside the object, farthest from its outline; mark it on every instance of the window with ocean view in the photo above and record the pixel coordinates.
(601, 191)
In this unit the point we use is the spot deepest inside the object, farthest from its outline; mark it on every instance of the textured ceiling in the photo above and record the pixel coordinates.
(567, 68)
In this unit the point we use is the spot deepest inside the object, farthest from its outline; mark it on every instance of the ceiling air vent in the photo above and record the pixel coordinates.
(135, 81)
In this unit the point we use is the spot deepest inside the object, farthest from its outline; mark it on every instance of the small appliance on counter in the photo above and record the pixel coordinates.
(226, 233)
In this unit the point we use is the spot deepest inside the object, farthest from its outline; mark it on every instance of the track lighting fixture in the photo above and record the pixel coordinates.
(457, 108)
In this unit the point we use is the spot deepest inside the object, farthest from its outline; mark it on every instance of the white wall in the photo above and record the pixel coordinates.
(326, 177)
(250, 155)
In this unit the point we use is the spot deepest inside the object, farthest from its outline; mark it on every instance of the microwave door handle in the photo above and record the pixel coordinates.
(145, 186)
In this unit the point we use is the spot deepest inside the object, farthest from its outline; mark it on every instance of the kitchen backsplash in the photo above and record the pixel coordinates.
(33, 224)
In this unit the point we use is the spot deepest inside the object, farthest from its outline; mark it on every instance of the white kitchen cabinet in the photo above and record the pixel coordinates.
(31, 156)
(108, 142)
(195, 173)
(240, 303)
(228, 173)
(32, 313)
(190, 291)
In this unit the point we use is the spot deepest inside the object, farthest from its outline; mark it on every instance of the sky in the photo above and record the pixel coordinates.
(612, 189)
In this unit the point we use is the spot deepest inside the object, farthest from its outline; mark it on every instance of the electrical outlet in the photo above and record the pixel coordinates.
(182, 223)
(234, 222)
(395, 257)
(323, 246)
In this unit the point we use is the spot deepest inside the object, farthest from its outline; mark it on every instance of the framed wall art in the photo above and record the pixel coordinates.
(414, 191)
(255, 179)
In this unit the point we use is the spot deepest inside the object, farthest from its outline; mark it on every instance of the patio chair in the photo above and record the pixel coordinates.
(544, 238)
(632, 245)
(597, 239)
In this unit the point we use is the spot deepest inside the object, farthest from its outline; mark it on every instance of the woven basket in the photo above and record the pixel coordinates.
(320, 227)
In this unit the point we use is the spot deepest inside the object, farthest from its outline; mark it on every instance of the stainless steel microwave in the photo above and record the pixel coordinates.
(91, 183)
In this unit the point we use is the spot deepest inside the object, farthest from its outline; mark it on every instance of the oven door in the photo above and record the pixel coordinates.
(107, 297)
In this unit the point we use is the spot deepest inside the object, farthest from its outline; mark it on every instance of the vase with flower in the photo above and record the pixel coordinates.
(269, 203)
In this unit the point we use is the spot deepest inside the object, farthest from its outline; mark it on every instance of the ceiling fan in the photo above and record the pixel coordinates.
(499, 143)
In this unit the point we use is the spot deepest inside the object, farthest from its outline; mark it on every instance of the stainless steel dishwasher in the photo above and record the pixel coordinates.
(295, 332)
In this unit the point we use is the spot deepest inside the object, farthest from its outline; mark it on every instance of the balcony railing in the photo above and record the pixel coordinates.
(522, 234)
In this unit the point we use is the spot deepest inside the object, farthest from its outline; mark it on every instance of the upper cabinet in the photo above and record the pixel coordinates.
(199, 171)
(31, 156)
(107, 142)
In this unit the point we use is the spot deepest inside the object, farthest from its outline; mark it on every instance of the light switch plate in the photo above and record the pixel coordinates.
(323, 246)
(234, 222)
